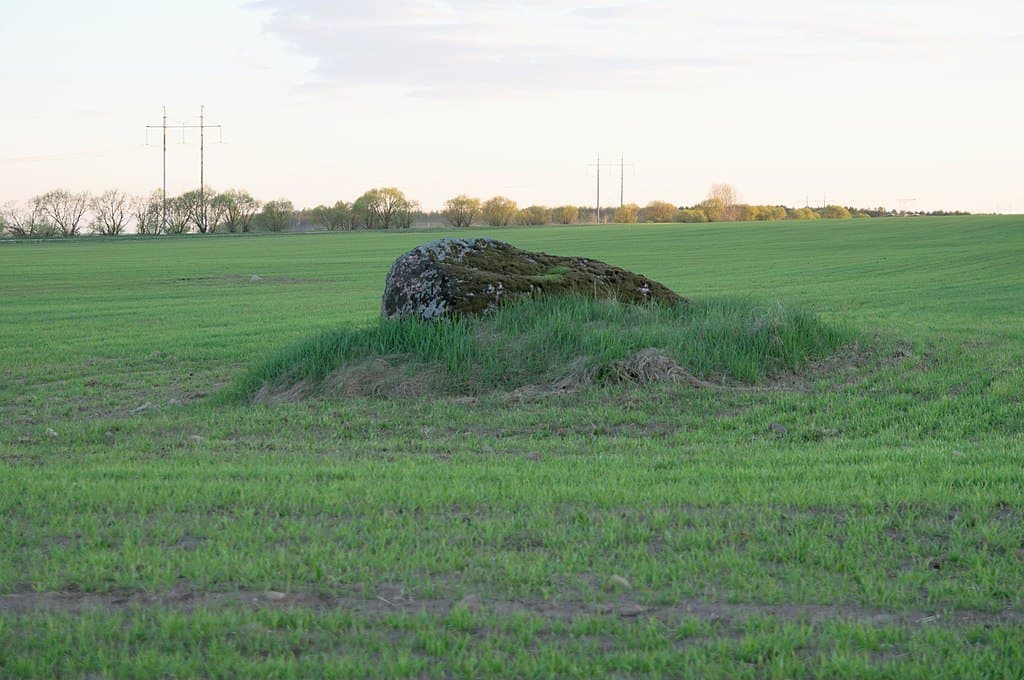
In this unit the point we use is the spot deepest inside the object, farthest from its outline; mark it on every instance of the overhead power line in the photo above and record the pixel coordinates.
(903, 204)
(622, 165)
(202, 127)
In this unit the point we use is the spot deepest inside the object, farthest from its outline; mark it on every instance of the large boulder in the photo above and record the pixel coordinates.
(455, 276)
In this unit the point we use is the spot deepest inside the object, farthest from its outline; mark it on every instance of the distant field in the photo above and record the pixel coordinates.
(868, 524)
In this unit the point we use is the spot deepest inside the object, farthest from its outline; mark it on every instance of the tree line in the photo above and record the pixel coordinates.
(204, 211)
(721, 205)
(64, 213)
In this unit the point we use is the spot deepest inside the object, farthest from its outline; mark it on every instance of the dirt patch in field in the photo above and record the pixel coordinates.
(393, 599)
(247, 278)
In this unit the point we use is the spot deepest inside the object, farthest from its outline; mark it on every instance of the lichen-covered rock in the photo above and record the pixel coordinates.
(452, 277)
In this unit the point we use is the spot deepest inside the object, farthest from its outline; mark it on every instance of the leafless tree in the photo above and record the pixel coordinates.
(148, 213)
(178, 221)
(216, 213)
(206, 211)
(111, 213)
(25, 221)
(64, 209)
(191, 202)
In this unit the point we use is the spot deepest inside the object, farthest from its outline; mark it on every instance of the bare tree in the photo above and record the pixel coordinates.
(148, 213)
(111, 212)
(191, 202)
(63, 208)
(216, 213)
(177, 216)
(205, 210)
(25, 222)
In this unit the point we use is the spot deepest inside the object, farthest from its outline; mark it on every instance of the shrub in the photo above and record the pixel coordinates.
(627, 214)
(567, 214)
(534, 215)
(659, 211)
(692, 215)
(500, 211)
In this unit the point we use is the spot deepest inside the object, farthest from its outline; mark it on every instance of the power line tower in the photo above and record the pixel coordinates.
(598, 166)
(202, 156)
(622, 178)
(622, 165)
(202, 127)
(163, 126)
(903, 204)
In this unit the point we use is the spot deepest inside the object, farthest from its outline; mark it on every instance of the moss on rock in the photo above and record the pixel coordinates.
(454, 277)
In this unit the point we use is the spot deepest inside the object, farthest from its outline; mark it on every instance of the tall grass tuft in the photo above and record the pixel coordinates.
(537, 341)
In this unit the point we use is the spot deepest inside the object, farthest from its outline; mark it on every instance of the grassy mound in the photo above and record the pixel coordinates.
(558, 342)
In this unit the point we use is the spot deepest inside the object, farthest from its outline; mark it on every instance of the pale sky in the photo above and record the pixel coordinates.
(863, 102)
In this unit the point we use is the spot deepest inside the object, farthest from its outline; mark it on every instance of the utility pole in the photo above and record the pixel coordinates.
(202, 158)
(903, 204)
(202, 163)
(162, 126)
(622, 179)
(598, 166)
(622, 164)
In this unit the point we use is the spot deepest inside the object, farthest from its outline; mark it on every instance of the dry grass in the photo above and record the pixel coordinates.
(651, 365)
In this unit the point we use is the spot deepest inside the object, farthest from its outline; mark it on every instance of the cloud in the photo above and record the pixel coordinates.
(473, 47)
(462, 47)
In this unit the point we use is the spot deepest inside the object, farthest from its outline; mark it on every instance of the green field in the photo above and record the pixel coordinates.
(863, 520)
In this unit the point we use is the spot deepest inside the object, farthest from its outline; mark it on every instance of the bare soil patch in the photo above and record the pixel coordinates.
(393, 599)
(247, 278)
